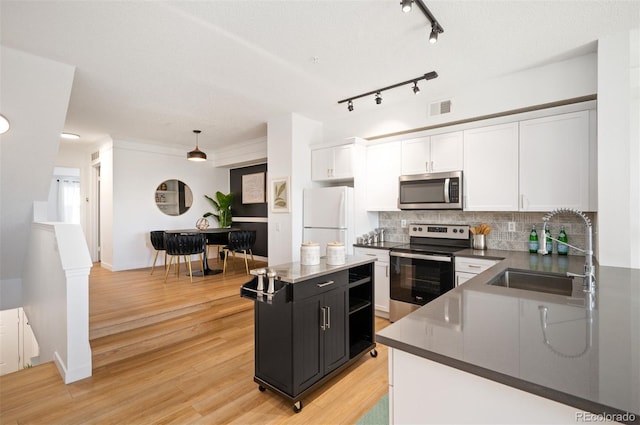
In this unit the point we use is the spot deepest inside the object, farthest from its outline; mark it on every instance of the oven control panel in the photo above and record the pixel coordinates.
(444, 231)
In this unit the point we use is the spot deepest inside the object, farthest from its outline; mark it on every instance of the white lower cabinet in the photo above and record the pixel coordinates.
(468, 267)
(381, 276)
(415, 380)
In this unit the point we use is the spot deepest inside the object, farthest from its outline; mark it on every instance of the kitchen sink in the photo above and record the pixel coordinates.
(532, 281)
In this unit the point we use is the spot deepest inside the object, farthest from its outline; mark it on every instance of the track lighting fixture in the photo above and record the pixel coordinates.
(197, 154)
(435, 26)
(378, 93)
(406, 5)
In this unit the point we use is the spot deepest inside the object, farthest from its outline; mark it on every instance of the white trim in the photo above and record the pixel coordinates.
(251, 219)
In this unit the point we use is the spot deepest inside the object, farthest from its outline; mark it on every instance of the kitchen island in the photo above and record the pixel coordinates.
(318, 321)
(511, 355)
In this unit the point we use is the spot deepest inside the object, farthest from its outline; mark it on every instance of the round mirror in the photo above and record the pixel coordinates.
(173, 197)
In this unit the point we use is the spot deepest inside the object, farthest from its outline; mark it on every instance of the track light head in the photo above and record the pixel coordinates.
(406, 5)
(416, 89)
(378, 98)
(435, 30)
(350, 106)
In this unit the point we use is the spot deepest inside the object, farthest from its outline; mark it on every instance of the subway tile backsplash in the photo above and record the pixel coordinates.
(499, 237)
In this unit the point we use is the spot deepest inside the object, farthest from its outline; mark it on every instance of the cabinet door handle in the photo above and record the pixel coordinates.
(324, 319)
(322, 285)
(457, 279)
(386, 269)
(426, 166)
(328, 317)
(474, 266)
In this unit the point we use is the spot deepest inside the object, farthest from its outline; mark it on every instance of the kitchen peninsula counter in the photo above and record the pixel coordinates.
(543, 346)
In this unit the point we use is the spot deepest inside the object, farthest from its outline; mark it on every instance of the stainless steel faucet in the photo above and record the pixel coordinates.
(589, 276)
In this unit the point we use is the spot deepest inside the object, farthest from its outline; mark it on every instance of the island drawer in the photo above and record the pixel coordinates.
(318, 285)
(473, 265)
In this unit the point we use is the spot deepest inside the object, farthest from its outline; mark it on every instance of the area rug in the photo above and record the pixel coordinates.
(378, 415)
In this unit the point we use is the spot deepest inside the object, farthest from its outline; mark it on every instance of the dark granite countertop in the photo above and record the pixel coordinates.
(547, 344)
(296, 272)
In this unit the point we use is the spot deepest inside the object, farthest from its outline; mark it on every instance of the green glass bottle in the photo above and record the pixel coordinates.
(533, 240)
(547, 240)
(563, 249)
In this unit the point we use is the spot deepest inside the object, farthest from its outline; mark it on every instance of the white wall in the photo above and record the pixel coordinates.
(130, 174)
(557, 81)
(288, 155)
(619, 149)
(35, 96)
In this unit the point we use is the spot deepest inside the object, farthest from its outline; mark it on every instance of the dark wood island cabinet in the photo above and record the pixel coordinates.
(319, 321)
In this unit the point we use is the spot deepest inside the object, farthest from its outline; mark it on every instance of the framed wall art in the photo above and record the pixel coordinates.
(253, 188)
(280, 192)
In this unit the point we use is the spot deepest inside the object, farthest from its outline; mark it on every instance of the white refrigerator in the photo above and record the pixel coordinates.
(328, 217)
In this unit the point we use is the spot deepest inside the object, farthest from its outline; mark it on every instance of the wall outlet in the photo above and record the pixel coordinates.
(512, 226)
(403, 223)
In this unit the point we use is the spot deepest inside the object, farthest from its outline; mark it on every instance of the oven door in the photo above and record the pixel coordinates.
(420, 278)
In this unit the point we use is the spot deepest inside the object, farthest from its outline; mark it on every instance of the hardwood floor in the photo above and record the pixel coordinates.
(206, 379)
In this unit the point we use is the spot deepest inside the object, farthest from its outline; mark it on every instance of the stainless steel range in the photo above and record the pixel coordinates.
(423, 269)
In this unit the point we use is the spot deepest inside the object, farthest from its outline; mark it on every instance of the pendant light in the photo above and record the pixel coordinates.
(197, 154)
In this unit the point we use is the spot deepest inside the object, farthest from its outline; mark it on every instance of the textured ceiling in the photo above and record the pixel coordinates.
(157, 70)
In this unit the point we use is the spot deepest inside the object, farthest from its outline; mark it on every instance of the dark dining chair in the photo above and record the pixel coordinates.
(185, 245)
(157, 240)
(240, 241)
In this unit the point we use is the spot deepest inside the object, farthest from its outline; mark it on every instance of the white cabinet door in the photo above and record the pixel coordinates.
(383, 171)
(335, 163)
(343, 162)
(447, 152)
(321, 163)
(554, 162)
(416, 155)
(491, 168)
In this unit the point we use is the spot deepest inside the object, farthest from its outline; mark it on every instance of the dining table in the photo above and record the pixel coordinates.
(214, 236)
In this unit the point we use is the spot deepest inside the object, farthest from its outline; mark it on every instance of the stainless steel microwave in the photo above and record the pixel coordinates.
(431, 191)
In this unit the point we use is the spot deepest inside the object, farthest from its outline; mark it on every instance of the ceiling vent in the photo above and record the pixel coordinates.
(439, 108)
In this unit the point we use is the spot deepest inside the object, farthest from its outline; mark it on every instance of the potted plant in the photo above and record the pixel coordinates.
(222, 204)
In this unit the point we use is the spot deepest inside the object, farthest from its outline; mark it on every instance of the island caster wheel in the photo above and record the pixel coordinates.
(374, 353)
(261, 388)
(297, 407)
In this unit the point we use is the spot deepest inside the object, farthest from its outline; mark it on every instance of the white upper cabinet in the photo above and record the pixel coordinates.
(334, 163)
(554, 162)
(383, 171)
(438, 153)
(447, 152)
(491, 168)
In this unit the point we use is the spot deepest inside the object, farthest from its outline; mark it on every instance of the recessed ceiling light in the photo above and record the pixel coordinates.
(4, 124)
(69, 136)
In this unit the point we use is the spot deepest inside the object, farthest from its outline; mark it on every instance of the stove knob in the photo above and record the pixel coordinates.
(419, 229)
(461, 230)
(415, 228)
(455, 230)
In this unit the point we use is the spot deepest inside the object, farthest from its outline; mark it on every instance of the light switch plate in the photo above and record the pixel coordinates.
(403, 223)
(512, 226)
